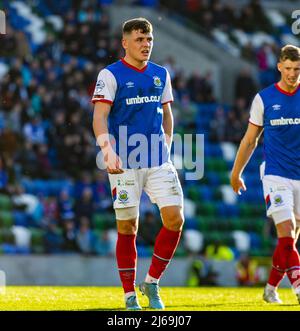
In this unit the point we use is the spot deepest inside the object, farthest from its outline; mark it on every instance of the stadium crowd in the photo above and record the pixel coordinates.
(46, 135)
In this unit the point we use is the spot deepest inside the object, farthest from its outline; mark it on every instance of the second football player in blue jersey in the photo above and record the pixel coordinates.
(276, 112)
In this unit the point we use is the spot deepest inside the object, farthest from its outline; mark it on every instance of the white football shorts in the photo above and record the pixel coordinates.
(282, 195)
(160, 183)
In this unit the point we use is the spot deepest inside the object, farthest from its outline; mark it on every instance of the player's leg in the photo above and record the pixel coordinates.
(126, 194)
(164, 189)
(277, 272)
(289, 253)
(285, 257)
(126, 253)
(166, 241)
(278, 196)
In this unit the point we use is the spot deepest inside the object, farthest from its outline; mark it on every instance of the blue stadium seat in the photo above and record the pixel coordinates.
(8, 248)
(226, 210)
(206, 193)
(213, 150)
(20, 218)
(191, 223)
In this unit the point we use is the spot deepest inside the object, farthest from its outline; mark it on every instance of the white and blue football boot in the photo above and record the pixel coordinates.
(151, 290)
(132, 303)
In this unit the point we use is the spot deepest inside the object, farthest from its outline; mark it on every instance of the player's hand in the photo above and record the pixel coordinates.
(237, 184)
(112, 161)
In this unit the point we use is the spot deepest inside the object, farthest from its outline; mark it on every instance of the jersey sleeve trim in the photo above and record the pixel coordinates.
(106, 86)
(259, 126)
(102, 100)
(167, 92)
(170, 101)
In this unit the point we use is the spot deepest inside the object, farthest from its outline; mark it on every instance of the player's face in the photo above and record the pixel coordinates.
(138, 45)
(290, 72)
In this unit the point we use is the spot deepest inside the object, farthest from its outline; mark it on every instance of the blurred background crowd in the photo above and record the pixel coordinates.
(53, 198)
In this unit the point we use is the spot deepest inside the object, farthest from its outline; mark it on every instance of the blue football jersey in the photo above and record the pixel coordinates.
(279, 113)
(135, 120)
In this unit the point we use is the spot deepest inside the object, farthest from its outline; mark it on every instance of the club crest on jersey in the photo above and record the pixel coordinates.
(123, 196)
(276, 107)
(278, 200)
(99, 86)
(157, 81)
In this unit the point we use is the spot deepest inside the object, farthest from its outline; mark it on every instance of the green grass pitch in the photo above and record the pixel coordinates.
(65, 298)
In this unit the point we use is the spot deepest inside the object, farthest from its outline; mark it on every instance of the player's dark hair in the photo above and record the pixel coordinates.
(137, 24)
(289, 52)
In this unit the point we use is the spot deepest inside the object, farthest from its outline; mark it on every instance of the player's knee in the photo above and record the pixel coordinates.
(125, 214)
(174, 221)
(127, 227)
(285, 223)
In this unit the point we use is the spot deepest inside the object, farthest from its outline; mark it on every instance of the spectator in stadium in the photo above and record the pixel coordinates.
(105, 245)
(83, 183)
(266, 60)
(245, 86)
(43, 161)
(219, 251)
(235, 127)
(246, 271)
(201, 273)
(8, 142)
(27, 158)
(195, 84)
(69, 235)
(50, 209)
(30, 203)
(275, 111)
(248, 52)
(85, 238)
(128, 78)
(65, 206)
(34, 131)
(84, 206)
(170, 65)
(101, 190)
(53, 239)
(218, 125)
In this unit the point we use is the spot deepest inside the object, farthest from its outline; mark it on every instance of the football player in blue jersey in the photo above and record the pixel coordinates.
(132, 104)
(276, 112)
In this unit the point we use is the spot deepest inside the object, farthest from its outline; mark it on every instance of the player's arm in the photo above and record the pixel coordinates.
(167, 98)
(168, 123)
(246, 149)
(100, 127)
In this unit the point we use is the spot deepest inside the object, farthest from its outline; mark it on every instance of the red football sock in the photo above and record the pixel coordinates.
(292, 261)
(126, 259)
(278, 268)
(164, 249)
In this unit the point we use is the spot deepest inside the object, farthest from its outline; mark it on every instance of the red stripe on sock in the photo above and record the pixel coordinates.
(165, 246)
(126, 259)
